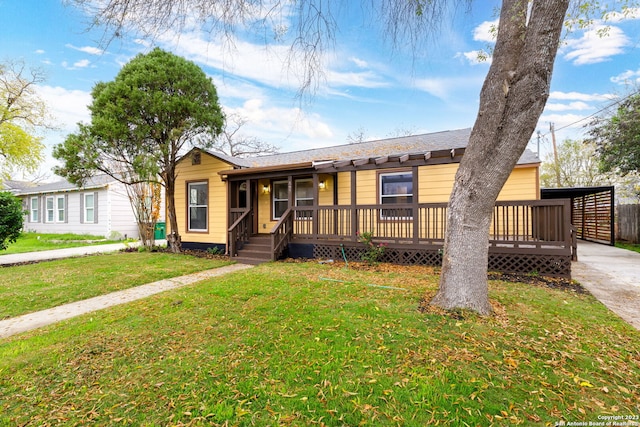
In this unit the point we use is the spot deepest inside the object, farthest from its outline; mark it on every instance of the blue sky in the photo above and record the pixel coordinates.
(368, 86)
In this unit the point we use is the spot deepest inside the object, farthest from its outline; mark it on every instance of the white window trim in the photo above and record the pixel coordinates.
(36, 210)
(189, 206)
(86, 209)
(391, 196)
(63, 210)
(52, 210)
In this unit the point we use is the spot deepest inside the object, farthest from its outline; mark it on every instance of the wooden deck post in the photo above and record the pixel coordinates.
(354, 210)
(415, 209)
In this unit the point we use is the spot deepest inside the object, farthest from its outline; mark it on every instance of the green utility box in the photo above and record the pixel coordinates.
(160, 231)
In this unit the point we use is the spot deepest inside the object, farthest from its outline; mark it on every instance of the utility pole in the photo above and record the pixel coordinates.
(555, 154)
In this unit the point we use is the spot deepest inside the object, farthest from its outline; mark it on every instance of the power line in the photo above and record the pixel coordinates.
(597, 112)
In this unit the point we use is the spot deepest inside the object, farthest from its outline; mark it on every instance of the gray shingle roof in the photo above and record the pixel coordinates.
(98, 181)
(14, 186)
(413, 144)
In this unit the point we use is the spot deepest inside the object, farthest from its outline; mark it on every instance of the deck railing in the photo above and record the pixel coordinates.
(281, 234)
(531, 224)
(240, 229)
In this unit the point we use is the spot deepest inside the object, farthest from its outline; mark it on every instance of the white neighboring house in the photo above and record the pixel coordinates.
(101, 208)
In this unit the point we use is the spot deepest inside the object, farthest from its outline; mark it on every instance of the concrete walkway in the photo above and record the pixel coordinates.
(12, 259)
(42, 318)
(612, 275)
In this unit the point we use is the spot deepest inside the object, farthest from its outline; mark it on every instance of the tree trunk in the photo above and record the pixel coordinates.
(173, 238)
(511, 102)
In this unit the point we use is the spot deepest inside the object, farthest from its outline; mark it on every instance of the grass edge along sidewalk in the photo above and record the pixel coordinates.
(42, 318)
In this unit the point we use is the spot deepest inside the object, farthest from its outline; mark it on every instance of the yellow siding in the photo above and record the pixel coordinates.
(436, 182)
(344, 188)
(366, 187)
(206, 171)
(325, 196)
(265, 224)
(521, 185)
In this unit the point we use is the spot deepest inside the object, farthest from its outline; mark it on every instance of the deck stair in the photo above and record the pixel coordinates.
(256, 251)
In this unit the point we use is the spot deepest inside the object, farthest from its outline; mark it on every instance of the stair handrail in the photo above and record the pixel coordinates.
(238, 230)
(281, 234)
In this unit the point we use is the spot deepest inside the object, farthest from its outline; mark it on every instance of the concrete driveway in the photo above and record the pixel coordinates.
(612, 275)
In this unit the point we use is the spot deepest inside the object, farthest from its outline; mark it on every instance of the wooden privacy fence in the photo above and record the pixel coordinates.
(592, 211)
(592, 217)
(525, 236)
(628, 223)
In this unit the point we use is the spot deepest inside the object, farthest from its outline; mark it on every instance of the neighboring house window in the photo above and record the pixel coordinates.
(35, 209)
(89, 213)
(280, 198)
(198, 193)
(396, 188)
(304, 197)
(61, 209)
(49, 209)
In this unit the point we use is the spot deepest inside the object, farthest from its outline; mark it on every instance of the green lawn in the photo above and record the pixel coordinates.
(32, 287)
(33, 242)
(307, 344)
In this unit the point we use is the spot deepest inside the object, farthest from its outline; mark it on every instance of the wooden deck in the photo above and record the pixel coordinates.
(533, 236)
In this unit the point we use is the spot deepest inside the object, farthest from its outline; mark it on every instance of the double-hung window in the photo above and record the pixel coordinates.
(89, 211)
(61, 209)
(35, 209)
(395, 189)
(198, 205)
(50, 209)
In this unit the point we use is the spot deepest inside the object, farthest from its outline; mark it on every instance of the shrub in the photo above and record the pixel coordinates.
(373, 252)
(11, 219)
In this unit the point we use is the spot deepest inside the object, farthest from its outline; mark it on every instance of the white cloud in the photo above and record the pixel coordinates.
(627, 77)
(596, 46)
(577, 105)
(486, 32)
(475, 57)
(446, 88)
(278, 125)
(366, 79)
(265, 64)
(86, 49)
(230, 88)
(360, 63)
(577, 96)
(436, 87)
(83, 63)
(629, 14)
(277, 68)
(566, 125)
(67, 106)
(39, 51)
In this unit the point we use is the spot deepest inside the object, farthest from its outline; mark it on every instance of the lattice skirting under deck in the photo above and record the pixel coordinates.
(545, 265)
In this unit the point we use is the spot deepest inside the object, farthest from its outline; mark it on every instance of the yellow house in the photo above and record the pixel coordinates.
(315, 203)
